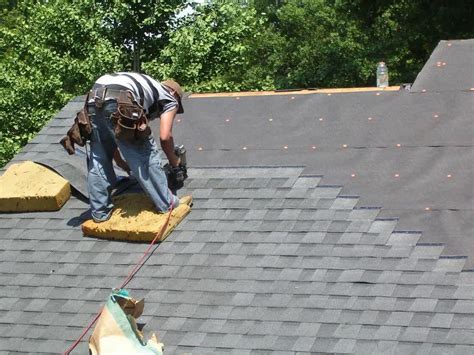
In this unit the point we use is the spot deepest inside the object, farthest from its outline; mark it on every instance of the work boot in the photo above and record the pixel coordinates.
(186, 200)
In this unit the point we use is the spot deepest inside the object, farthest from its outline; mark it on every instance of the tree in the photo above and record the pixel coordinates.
(213, 50)
(339, 42)
(404, 33)
(140, 27)
(53, 52)
(321, 48)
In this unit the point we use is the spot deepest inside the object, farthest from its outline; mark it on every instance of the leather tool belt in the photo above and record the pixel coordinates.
(130, 121)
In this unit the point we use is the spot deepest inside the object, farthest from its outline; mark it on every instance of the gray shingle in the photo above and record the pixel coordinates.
(363, 213)
(345, 203)
(349, 331)
(423, 305)
(464, 306)
(363, 346)
(325, 192)
(303, 344)
(307, 181)
(324, 345)
(386, 332)
(415, 334)
(327, 330)
(400, 318)
(463, 349)
(403, 238)
(308, 329)
(437, 335)
(427, 251)
(385, 346)
(344, 346)
(466, 278)
(461, 336)
(192, 339)
(464, 321)
(450, 264)
(464, 292)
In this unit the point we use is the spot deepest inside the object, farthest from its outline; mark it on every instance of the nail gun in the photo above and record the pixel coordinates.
(177, 175)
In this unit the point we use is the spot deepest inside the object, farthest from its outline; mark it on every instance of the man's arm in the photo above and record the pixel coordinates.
(166, 136)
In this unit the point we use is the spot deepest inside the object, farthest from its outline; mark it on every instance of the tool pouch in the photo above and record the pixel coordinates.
(79, 132)
(130, 121)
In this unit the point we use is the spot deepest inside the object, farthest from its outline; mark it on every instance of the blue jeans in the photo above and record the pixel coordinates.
(143, 158)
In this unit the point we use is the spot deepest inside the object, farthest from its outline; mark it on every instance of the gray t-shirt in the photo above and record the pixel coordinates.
(156, 99)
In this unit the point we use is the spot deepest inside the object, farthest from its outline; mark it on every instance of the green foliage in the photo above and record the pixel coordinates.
(141, 27)
(327, 43)
(213, 50)
(403, 33)
(321, 48)
(53, 52)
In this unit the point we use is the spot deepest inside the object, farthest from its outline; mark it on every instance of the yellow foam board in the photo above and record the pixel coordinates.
(28, 187)
(135, 218)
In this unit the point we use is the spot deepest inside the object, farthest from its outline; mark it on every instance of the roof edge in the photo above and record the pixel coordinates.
(293, 92)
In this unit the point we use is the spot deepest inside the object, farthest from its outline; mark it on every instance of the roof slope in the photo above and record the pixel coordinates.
(271, 259)
(450, 68)
(409, 152)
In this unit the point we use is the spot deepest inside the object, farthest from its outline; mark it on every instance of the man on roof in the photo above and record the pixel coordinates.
(120, 106)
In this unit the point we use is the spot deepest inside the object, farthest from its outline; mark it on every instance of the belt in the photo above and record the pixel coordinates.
(112, 94)
(100, 95)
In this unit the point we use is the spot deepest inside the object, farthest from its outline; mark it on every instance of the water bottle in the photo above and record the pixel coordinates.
(382, 75)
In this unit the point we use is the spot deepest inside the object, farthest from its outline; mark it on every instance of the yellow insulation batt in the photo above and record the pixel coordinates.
(135, 218)
(28, 187)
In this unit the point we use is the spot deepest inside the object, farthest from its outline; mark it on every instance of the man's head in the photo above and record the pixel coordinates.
(176, 90)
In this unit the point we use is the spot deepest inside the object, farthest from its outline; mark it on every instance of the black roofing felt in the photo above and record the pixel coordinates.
(405, 151)
(450, 68)
(272, 259)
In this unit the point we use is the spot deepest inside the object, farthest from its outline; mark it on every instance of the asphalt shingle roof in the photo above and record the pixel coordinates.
(294, 267)
(272, 259)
